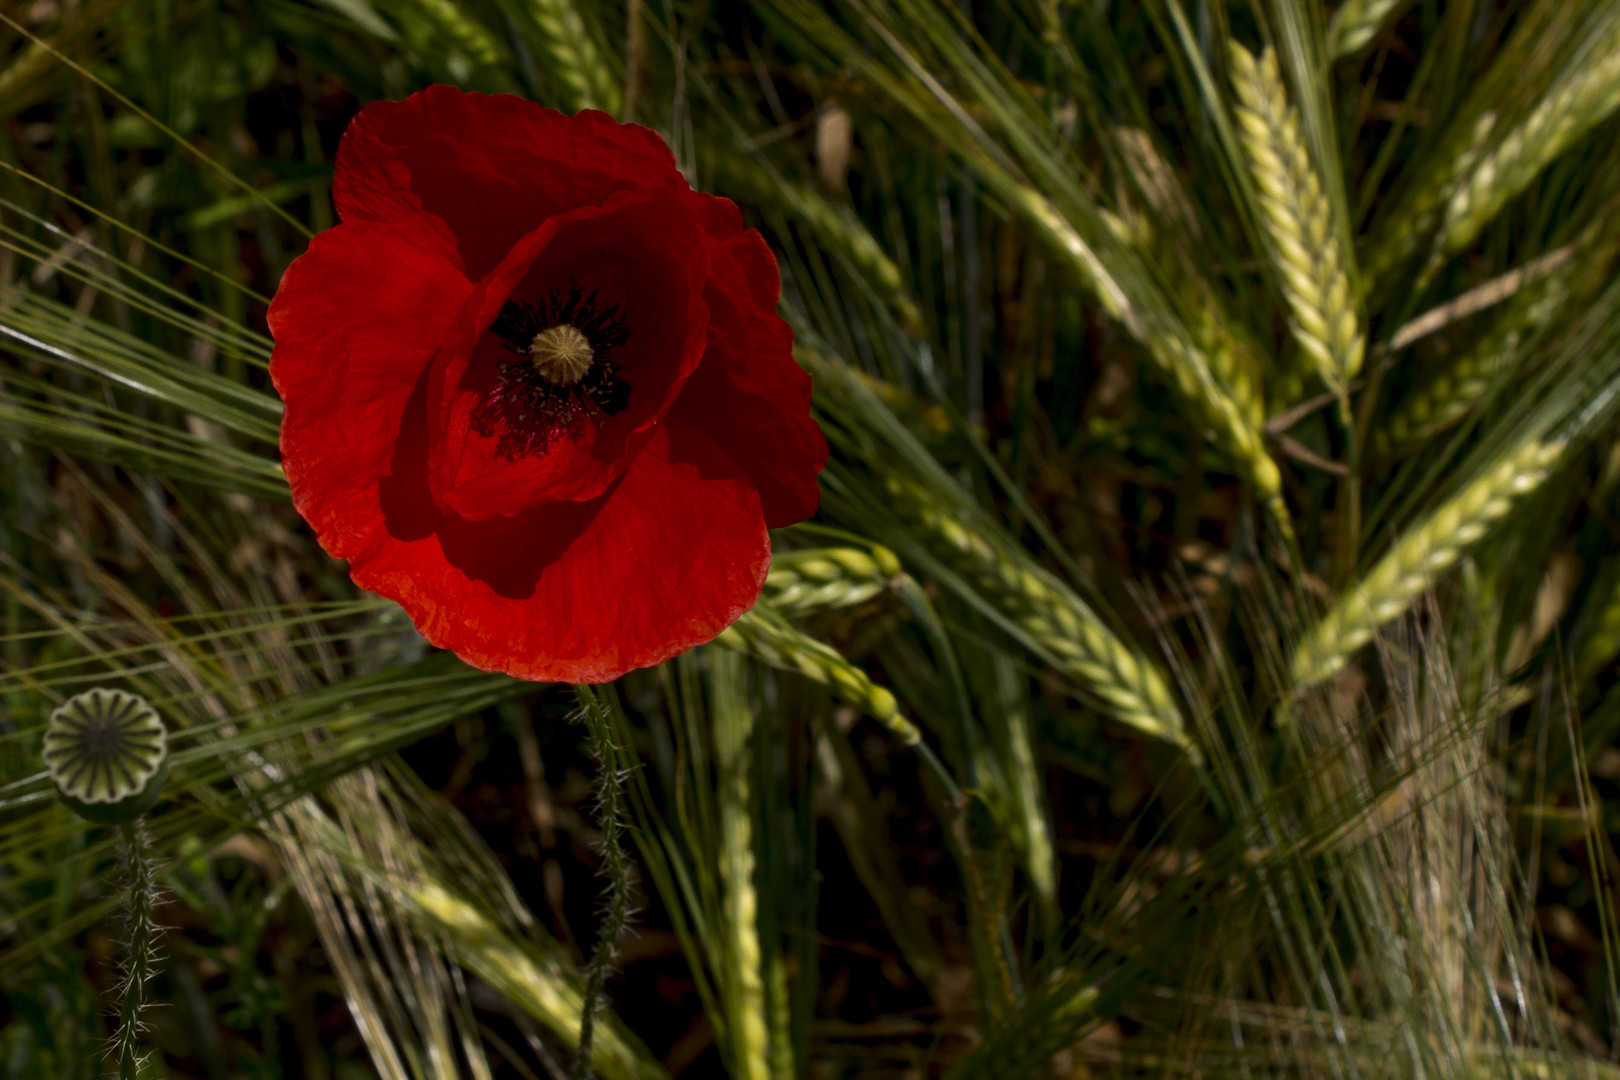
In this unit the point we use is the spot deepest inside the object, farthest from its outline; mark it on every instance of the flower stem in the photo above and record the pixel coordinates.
(140, 961)
(616, 864)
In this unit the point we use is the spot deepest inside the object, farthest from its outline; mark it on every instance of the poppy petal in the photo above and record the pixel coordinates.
(491, 168)
(668, 557)
(749, 393)
(356, 320)
(634, 256)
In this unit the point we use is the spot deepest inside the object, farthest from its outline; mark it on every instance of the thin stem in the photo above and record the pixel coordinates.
(953, 793)
(733, 726)
(616, 864)
(140, 895)
(1350, 494)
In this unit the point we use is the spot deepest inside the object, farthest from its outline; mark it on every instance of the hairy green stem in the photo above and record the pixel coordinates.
(140, 960)
(616, 866)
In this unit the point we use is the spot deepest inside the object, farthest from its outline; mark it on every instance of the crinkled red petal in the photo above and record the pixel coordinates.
(491, 168)
(356, 321)
(638, 253)
(577, 592)
(749, 393)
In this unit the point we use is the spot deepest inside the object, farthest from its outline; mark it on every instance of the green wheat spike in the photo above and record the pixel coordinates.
(1601, 643)
(458, 30)
(1408, 232)
(1233, 358)
(1308, 254)
(1055, 621)
(525, 973)
(1356, 23)
(813, 579)
(1450, 394)
(765, 635)
(833, 226)
(1454, 391)
(1233, 427)
(1174, 353)
(1418, 559)
(1582, 96)
(580, 70)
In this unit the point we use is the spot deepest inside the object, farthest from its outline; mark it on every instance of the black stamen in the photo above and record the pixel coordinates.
(528, 410)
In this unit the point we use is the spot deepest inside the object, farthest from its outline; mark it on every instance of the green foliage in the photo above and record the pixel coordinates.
(1202, 663)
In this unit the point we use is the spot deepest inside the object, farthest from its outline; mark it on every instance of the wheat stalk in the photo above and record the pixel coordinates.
(1056, 623)
(733, 725)
(1306, 247)
(1356, 23)
(1418, 559)
(1582, 96)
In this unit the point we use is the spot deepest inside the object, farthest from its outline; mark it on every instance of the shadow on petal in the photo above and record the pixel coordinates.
(506, 553)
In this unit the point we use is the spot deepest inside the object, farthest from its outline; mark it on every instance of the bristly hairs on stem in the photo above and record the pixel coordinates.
(141, 953)
(615, 866)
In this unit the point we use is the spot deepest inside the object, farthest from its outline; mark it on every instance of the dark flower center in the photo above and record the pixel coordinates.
(562, 368)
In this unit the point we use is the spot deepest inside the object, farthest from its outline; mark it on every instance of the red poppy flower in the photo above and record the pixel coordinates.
(536, 389)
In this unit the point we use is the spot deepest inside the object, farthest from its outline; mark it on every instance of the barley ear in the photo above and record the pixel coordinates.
(812, 579)
(1541, 300)
(1167, 230)
(1582, 96)
(1236, 427)
(765, 635)
(833, 225)
(1408, 231)
(744, 997)
(1418, 560)
(1452, 392)
(1356, 23)
(1308, 254)
(582, 73)
(1049, 617)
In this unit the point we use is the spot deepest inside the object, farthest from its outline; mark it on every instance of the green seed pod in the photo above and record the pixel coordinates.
(108, 752)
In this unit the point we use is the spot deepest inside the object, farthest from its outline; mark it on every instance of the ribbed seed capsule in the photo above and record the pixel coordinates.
(107, 751)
